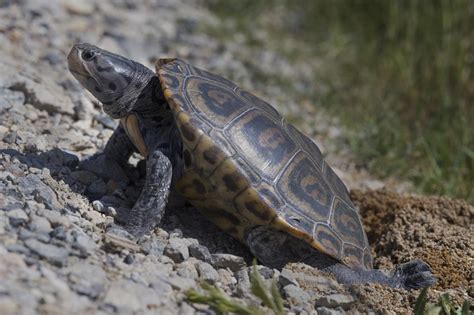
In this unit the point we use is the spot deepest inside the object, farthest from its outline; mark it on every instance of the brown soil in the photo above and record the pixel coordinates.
(400, 228)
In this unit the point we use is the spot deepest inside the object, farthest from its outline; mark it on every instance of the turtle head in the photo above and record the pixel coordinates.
(117, 82)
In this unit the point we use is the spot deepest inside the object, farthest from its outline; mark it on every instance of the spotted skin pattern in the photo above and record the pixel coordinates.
(244, 166)
(233, 157)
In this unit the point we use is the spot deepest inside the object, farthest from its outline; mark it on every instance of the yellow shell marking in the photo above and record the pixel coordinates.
(130, 124)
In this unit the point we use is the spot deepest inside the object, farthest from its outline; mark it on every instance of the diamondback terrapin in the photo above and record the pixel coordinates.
(232, 156)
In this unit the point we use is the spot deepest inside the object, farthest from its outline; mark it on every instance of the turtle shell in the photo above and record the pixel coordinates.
(245, 166)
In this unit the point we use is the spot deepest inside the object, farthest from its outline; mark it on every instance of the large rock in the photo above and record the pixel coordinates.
(53, 254)
(177, 250)
(10, 99)
(17, 217)
(127, 296)
(200, 252)
(37, 88)
(207, 272)
(33, 185)
(295, 295)
(234, 263)
(344, 301)
(87, 279)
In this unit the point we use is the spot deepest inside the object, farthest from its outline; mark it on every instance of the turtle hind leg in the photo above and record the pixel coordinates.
(412, 275)
(275, 249)
(268, 246)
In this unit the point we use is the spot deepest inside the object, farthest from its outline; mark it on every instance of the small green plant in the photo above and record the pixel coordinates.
(219, 302)
(222, 304)
(443, 307)
(271, 300)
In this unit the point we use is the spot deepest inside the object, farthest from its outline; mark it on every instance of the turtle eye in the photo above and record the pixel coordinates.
(88, 55)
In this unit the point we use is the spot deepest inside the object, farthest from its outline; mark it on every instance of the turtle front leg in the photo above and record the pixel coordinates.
(110, 163)
(119, 147)
(150, 206)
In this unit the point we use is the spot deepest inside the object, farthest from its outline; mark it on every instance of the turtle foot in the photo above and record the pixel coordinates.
(415, 274)
(124, 221)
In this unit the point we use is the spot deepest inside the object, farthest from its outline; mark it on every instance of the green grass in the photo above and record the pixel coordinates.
(222, 304)
(443, 307)
(399, 74)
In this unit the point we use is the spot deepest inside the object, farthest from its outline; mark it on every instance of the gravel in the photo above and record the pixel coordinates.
(87, 279)
(177, 250)
(60, 250)
(335, 300)
(234, 263)
(207, 272)
(295, 295)
(200, 252)
(53, 254)
(119, 298)
(17, 217)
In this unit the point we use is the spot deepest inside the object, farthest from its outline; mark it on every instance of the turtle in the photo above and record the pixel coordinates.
(232, 156)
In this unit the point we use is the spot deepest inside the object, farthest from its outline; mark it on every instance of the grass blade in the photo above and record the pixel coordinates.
(219, 302)
(420, 303)
(465, 308)
(278, 300)
(272, 300)
(444, 301)
(258, 288)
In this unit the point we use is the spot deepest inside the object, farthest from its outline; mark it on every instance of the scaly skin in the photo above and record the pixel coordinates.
(149, 208)
(126, 87)
(110, 163)
(276, 249)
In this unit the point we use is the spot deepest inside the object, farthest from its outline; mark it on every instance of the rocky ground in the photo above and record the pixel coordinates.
(55, 256)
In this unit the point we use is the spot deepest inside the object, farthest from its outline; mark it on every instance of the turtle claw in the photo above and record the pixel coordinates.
(130, 230)
(415, 274)
(118, 237)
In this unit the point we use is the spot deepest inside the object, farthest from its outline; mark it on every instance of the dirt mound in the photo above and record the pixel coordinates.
(438, 230)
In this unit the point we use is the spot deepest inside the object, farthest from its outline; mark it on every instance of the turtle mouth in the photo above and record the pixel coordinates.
(76, 64)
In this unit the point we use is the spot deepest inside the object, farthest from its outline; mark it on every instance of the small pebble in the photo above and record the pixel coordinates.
(97, 205)
(129, 259)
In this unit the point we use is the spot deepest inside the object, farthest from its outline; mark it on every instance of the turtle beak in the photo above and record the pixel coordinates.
(75, 62)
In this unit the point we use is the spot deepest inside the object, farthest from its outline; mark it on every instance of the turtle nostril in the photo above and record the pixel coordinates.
(88, 55)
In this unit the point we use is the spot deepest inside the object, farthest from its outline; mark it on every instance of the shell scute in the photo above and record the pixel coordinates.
(172, 66)
(296, 220)
(245, 166)
(303, 186)
(261, 142)
(213, 102)
(337, 184)
(255, 101)
(248, 203)
(352, 255)
(207, 156)
(328, 240)
(213, 77)
(307, 145)
(346, 221)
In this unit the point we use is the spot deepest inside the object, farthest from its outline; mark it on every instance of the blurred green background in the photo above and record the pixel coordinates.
(398, 74)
